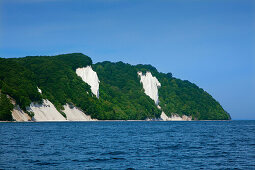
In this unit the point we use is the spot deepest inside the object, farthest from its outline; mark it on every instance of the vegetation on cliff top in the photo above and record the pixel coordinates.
(185, 98)
(121, 93)
(5, 108)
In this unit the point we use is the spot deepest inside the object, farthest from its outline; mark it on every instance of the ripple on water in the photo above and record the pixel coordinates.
(128, 145)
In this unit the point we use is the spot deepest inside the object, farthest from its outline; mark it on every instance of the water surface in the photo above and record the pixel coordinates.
(122, 145)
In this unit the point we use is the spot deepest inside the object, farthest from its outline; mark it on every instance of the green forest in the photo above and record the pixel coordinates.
(185, 98)
(122, 95)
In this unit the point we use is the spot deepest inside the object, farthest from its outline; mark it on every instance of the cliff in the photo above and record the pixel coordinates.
(67, 87)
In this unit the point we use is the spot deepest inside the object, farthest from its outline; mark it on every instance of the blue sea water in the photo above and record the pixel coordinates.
(128, 145)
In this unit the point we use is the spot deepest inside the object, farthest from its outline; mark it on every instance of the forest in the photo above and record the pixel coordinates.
(122, 95)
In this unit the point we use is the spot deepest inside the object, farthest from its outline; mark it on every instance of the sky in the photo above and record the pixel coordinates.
(208, 42)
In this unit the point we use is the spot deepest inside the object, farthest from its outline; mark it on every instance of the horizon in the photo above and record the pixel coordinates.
(208, 43)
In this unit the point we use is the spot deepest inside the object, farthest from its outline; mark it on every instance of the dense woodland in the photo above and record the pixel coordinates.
(185, 98)
(5, 107)
(121, 88)
(121, 93)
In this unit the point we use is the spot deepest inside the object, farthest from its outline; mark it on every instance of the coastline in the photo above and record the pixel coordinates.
(114, 121)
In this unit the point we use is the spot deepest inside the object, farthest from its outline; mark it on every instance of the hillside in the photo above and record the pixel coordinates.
(40, 83)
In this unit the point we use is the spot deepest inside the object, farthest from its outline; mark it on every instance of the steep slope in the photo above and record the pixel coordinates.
(121, 90)
(74, 114)
(150, 85)
(5, 108)
(19, 115)
(184, 98)
(18, 82)
(126, 91)
(89, 76)
(57, 79)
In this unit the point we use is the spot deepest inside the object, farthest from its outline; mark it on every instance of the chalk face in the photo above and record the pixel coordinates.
(175, 117)
(75, 114)
(45, 111)
(89, 76)
(150, 85)
(19, 115)
(39, 90)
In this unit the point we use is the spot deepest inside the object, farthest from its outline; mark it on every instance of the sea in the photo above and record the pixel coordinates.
(128, 145)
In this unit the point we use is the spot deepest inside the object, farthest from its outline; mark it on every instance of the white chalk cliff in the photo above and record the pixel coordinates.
(19, 115)
(45, 111)
(175, 117)
(39, 90)
(75, 114)
(89, 76)
(150, 85)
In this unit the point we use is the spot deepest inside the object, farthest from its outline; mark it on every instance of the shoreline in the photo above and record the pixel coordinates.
(115, 121)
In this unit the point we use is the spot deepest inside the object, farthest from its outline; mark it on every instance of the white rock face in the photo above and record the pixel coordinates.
(150, 85)
(175, 117)
(19, 115)
(39, 90)
(89, 76)
(75, 114)
(45, 112)
(186, 118)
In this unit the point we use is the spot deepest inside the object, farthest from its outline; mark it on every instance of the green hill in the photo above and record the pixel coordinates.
(122, 95)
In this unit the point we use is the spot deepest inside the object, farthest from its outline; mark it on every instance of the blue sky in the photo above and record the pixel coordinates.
(208, 42)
